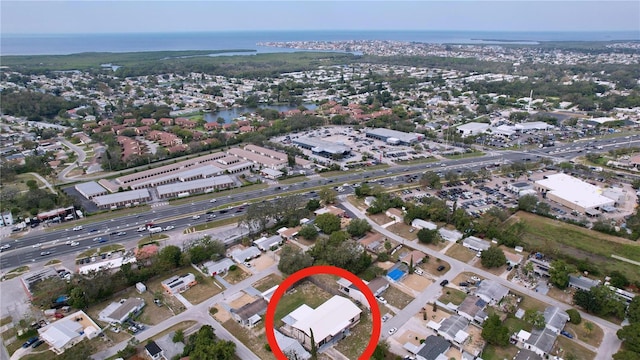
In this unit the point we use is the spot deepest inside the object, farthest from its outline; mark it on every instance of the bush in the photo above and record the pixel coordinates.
(267, 347)
(233, 267)
(574, 316)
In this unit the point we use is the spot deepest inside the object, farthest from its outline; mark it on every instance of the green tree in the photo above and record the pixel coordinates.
(427, 236)
(494, 332)
(534, 318)
(626, 355)
(630, 335)
(633, 310)
(559, 273)
(358, 227)
(327, 223)
(618, 280)
(527, 203)
(313, 205)
(327, 195)
(178, 336)
(600, 300)
(492, 257)
(308, 232)
(169, 256)
(293, 259)
(430, 179)
(574, 316)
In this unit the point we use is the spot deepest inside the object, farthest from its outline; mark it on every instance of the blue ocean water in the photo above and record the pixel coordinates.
(59, 44)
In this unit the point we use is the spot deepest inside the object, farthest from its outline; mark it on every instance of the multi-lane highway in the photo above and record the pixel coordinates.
(47, 244)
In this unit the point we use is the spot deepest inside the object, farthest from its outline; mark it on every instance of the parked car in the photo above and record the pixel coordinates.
(170, 227)
(30, 342)
(444, 282)
(440, 268)
(382, 300)
(464, 283)
(392, 331)
(567, 334)
(37, 343)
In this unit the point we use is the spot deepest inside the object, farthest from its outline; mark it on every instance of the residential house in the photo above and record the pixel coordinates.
(332, 210)
(396, 214)
(433, 348)
(289, 234)
(247, 254)
(166, 121)
(415, 256)
(422, 224)
(153, 350)
(177, 284)
(148, 121)
(476, 244)
(539, 341)
(68, 331)
(449, 235)
(290, 346)
(555, 318)
(329, 322)
(452, 329)
(221, 266)
(250, 314)
(372, 241)
(377, 287)
(266, 243)
(119, 312)
(185, 123)
(472, 308)
(582, 282)
(491, 291)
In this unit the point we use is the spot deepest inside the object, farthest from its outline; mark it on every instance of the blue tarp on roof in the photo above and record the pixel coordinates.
(396, 274)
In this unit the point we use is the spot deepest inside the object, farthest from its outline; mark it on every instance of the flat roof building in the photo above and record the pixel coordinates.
(322, 147)
(177, 284)
(195, 186)
(266, 243)
(91, 189)
(329, 321)
(125, 198)
(472, 128)
(573, 193)
(263, 161)
(394, 136)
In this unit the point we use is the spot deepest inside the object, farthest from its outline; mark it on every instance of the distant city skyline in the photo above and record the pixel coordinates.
(77, 17)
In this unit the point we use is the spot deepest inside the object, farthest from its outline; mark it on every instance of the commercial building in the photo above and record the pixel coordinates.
(472, 128)
(195, 186)
(119, 312)
(125, 198)
(573, 193)
(322, 148)
(329, 321)
(258, 159)
(68, 331)
(195, 173)
(91, 189)
(394, 137)
(177, 284)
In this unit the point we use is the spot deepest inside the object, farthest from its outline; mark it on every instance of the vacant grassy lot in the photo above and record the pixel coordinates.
(570, 347)
(293, 180)
(460, 252)
(212, 224)
(5, 320)
(552, 237)
(529, 303)
(151, 239)
(592, 337)
(404, 231)
(236, 275)
(254, 338)
(452, 296)
(397, 298)
(306, 293)
(353, 346)
(267, 282)
(206, 288)
(492, 352)
(380, 219)
(465, 155)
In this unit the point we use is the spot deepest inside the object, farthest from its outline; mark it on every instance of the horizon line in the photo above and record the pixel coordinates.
(2, 34)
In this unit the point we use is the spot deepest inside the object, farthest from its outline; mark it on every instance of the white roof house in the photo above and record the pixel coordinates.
(218, 267)
(450, 235)
(422, 224)
(249, 253)
(572, 192)
(266, 243)
(326, 321)
(119, 312)
(476, 244)
(491, 291)
(68, 331)
(106, 265)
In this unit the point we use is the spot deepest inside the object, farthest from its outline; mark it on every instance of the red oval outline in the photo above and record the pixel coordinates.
(269, 318)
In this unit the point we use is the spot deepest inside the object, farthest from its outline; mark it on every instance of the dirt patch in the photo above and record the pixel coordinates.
(409, 337)
(404, 230)
(461, 253)
(237, 275)
(263, 261)
(476, 343)
(205, 289)
(431, 267)
(386, 265)
(398, 297)
(241, 301)
(221, 315)
(416, 282)
(380, 219)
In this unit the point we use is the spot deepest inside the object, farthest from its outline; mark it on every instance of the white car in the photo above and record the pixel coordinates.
(195, 217)
(170, 227)
(212, 200)
(392, 331)
(382, 300)
(77, 228)
(74, 243)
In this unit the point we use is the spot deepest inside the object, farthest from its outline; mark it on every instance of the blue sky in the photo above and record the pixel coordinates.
(37, 17)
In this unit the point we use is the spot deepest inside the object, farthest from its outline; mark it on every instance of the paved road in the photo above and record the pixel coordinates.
(609, 346)
(82, 156)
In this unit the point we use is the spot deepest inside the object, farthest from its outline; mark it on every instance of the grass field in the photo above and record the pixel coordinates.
(397, 298)
(492, 352)
(267, 282)
(453, 296)
(553, 237)
(353, 346)
(460, 252)
(592, 337)
(206, 288)
(466, 155)
(306, 293)
(293, 180)
(567, 347)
